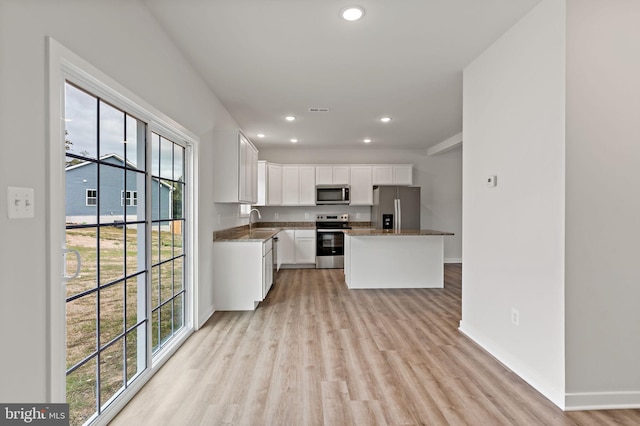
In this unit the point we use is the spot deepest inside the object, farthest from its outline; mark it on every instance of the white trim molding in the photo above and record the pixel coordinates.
(62, 65)
(602, 401)
(446, 145)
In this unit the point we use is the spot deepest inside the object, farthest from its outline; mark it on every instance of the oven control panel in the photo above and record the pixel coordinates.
(332, 217)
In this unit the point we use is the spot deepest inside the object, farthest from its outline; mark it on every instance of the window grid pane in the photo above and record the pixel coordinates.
(168, 239)
(106, 224)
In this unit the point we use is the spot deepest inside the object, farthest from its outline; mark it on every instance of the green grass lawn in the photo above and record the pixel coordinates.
(119, 253)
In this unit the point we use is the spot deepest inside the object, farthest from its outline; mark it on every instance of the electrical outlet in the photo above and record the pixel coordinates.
(219, 219)
(357, 215)
(515, 317)
(306, 215)
(276, 215)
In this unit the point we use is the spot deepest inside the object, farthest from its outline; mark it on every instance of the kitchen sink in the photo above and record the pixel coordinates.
(262, 233)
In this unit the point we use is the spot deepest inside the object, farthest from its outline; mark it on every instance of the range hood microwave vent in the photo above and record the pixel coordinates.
(318, 109)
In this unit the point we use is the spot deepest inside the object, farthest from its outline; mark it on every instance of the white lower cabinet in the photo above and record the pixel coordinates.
(267, 272)
(305, 243)
(286, 247)
(242, 274)
(297, 247)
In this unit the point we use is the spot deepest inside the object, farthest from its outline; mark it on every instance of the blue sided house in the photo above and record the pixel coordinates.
(84, 194)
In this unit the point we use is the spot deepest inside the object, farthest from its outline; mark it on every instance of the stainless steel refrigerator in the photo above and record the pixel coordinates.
(396, 207)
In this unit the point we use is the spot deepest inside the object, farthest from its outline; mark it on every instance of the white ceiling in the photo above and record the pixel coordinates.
(265, 59)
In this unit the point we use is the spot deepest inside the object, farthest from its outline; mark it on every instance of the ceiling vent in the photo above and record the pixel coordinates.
(318, 109)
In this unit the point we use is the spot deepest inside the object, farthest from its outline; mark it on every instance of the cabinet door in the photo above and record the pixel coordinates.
(382, 175)
(262, 183)
(305, 250)
(324, 175)
(361, 186)
(243, 163)
(286, 246)
(403, 174)
(305, 246)
(267, 273)
(290, 185)
(248, 171)
(274, 185)
(252, 174)
(341, 175)
(307, 186)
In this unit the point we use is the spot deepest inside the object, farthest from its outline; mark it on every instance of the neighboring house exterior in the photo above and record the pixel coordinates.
(83, 195)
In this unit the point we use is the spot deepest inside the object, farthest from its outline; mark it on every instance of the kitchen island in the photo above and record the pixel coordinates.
(377, 258)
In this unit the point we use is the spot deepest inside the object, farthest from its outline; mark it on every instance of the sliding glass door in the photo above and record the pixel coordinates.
(125, 222)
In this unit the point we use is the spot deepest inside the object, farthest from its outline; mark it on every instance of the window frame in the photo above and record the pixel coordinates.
(94, 198)
(64, 65)
(131, 199)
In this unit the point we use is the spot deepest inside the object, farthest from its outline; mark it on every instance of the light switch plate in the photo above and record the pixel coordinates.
(20, 203)
(492, 180)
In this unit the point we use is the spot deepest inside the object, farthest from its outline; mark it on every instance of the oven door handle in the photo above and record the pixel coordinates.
(329, 230)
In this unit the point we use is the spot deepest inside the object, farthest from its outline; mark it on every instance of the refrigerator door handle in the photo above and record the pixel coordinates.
(398, 215)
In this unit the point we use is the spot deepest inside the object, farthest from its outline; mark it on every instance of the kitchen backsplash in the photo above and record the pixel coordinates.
(308, 213)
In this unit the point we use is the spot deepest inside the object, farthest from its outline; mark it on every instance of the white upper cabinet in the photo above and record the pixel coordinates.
(295, 184)
(403, 174)
(336, 175)
(307, 186)
(382, 175)
(290, 185)
(361, 186)
(298, 185)
(274, 187)
(235, 168)
(269, 184)
(392, 174)
(262, 183)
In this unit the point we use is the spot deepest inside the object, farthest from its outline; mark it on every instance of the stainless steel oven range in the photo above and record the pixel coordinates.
(330, 240)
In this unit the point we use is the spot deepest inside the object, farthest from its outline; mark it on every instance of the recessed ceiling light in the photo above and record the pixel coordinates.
(367, 140)
(352, 13)
(290, 118)
(385, 119)
(260, 135)
(294, 140)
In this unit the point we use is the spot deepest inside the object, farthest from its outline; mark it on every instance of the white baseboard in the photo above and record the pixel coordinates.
(540, 384)
(602, 401)
(452, 260)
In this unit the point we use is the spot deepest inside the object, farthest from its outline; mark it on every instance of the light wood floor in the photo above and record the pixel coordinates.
(315, 353)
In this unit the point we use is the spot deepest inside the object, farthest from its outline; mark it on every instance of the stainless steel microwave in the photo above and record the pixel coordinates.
(332, 194)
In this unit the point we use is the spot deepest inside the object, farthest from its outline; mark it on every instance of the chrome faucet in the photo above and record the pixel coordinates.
(259, 217)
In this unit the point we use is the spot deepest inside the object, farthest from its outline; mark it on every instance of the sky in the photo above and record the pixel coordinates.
(81, 124)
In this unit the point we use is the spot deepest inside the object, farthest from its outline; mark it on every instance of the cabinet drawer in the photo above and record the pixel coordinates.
(267, 246)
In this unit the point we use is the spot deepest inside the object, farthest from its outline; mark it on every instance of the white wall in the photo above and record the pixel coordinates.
(440, 178)
(603, 203)
(513, 234)
(125, 42)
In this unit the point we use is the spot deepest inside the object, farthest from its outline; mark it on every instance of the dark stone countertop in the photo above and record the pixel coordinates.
(391, 232)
